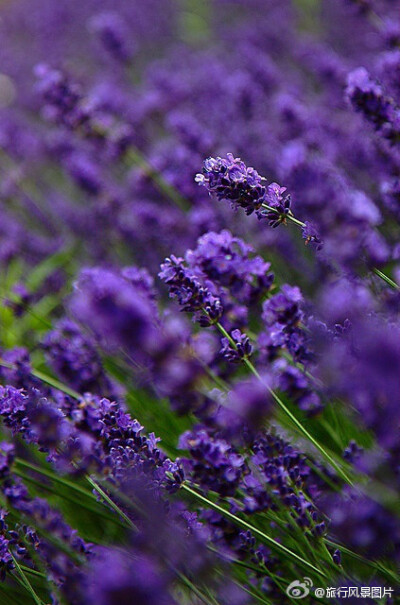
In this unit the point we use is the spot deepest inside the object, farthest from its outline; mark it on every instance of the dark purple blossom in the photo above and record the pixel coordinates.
(238, 349)
(230, 263)
(73, 356)
(191, 294)
(368, 97)
(113, 35)
(311, 235)
(230, 179)
(62, 97)
(363, 524)
(117, 578)
(120, 313)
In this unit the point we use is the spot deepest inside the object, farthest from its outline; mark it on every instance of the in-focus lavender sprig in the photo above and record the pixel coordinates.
(230, 179)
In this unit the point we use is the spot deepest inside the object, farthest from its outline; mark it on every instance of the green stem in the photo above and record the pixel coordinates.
(46, 473)
(33, 572)
(286, 410)
(81, 490)
(295, 220)
(373, 564)
(53, 382)
(79, 502)
(387, 279)
(136, 157)
(185, 580)
(256, 532)
(253, 594)
(26, 582)
(289, 216)
(111, 503)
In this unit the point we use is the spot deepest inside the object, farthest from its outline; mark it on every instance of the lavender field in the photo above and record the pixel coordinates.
(199, 302)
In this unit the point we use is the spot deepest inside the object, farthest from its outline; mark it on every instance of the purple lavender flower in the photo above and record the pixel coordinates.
(311, 235)
(84, 172)
(278, 203)
(251, 403)
(62, 97)
(19, 374)
(113, 35)
(283, 308)
(45, 521)
(297, 385)
(214, 465)
(363, 524)
(120, 313)
(74, 357)
(229, 262)
(242, 348)
(191, 294)
(230, 179)
(283, 316)
(352, 451)
(368, 97)
(116, 578)
(6, 562)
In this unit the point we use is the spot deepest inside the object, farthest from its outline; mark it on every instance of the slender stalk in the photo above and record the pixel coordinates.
(185, 580)
(255, 531)
(289, 215)
(46, 473)
(53, 382)
(111, 503)
(136, 157)
(373, 564)
(33, 572)
(77, 501)
(387, 279)
(296, 221)
(26, 582)
(254, 595)
(41, 570)
(286, 410)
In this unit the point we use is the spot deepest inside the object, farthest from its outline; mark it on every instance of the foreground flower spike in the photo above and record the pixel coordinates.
(221, 277)
(369, 98)
(190, 293)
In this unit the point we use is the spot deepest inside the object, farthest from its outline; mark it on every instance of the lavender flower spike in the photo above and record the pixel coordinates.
(230, 179)
(369, 98)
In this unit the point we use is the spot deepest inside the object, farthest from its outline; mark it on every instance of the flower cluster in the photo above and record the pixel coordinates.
(230, 179)
(206, 465)
(191, 295)
(367, 97)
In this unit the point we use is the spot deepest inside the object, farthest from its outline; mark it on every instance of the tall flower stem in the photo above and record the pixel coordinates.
(296, 221)
(387, 279)
(255, 531)
(134, 156)
(110, 502)
(288, 216)
(288, 413)
(25, 582)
